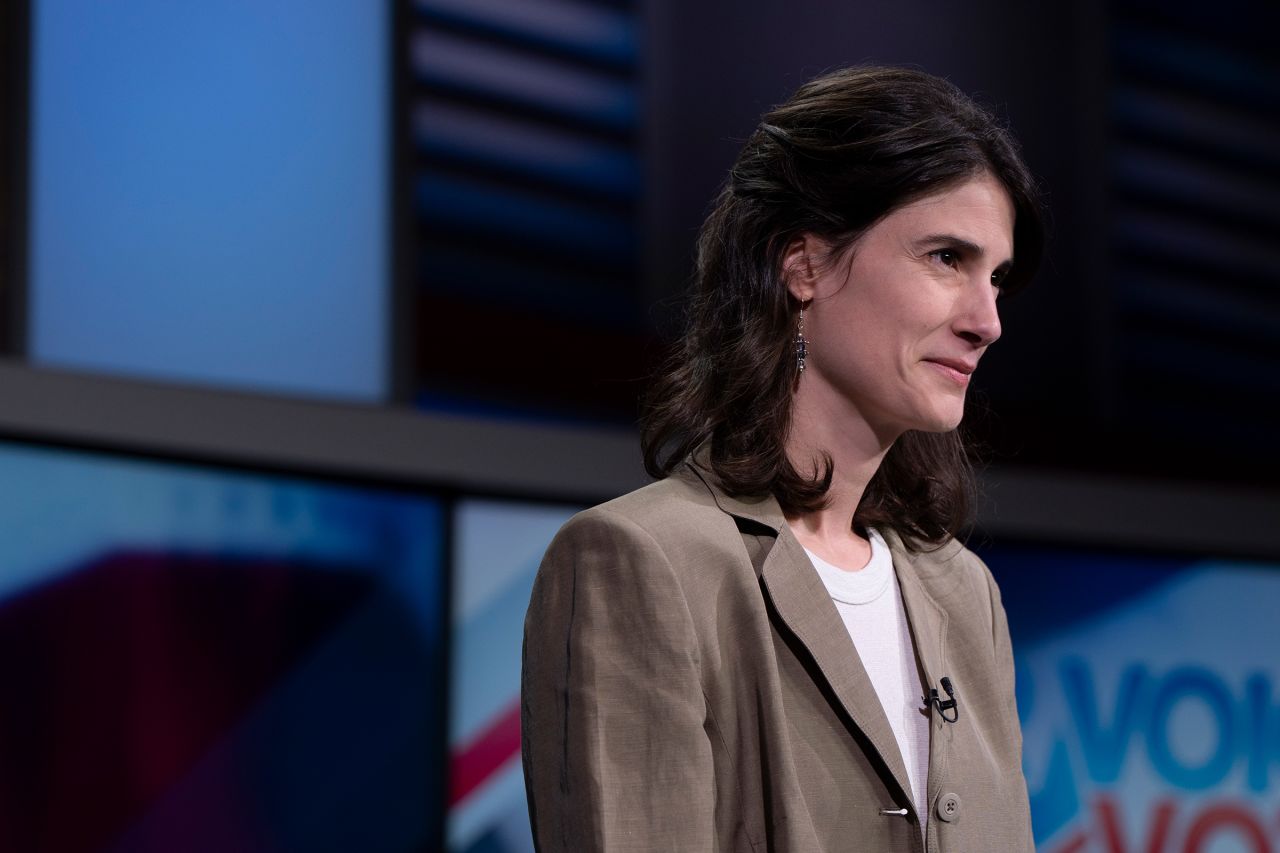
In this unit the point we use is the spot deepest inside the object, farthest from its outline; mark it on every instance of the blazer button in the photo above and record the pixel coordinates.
(948, 807)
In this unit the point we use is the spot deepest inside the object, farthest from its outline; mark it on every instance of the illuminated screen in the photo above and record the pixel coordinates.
(497, 549)
(200, 658)
(1147, 691)
(209, 192)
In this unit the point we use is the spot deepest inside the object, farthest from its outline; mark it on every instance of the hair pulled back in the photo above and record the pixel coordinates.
(848, 148)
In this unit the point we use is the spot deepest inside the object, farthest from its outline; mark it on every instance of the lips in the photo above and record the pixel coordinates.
(955, 369)
(957, 364)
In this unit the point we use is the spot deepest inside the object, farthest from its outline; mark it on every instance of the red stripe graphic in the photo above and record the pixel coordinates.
(472, 763)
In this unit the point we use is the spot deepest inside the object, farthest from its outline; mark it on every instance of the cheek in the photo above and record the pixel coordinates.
(920, 311)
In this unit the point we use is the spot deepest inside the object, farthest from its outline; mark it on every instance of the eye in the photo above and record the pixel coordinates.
(997, 279)
(946, 257)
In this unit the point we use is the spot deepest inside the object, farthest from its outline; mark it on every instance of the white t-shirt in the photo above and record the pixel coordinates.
(870, 604)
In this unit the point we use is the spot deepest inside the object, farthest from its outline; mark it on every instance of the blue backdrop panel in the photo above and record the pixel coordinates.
(209, 191)
(498, 546)
(1147, 692)
(201, 659)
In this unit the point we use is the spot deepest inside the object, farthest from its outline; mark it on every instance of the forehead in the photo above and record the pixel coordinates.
(978, 209)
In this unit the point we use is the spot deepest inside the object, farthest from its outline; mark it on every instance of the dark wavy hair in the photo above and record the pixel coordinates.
(848, 148)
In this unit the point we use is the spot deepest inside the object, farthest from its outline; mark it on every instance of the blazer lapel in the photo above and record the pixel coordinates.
(928, 621)
(928, 624)
(806, 609)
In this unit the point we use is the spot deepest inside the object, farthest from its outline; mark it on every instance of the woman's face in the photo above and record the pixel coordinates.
(899, 321)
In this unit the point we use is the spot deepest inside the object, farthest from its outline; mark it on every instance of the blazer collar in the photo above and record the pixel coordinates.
(806, 609)
(762, 510)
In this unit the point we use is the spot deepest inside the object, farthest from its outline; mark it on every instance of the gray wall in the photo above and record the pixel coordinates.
(582, 465)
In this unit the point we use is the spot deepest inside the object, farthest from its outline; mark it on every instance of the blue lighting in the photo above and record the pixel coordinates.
(209, 190)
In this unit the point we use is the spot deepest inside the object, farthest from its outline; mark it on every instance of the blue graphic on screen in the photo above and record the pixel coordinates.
(1147, 693)
(209, 192)
(497, 546)
(210, 659)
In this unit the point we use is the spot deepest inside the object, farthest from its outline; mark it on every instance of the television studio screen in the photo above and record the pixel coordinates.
(201, 657)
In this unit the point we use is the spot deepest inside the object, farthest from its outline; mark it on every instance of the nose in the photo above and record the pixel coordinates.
(978, 317)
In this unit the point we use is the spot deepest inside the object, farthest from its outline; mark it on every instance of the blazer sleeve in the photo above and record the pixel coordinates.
(616, 757)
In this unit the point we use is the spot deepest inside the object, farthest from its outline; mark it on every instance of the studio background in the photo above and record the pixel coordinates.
(319, 318)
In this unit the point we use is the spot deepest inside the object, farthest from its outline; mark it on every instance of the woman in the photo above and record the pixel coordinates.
(780, 645)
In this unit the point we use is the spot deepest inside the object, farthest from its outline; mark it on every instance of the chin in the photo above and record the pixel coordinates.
(938, 427)
(934, 411)
(939, 421)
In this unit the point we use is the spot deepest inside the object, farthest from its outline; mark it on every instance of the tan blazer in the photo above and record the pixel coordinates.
(688, 685)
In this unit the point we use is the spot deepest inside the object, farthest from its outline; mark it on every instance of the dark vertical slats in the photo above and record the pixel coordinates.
(14, 96)
(1194, 178)
(525, 122)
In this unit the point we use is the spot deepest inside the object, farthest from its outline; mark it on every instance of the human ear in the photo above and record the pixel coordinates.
(799, 267)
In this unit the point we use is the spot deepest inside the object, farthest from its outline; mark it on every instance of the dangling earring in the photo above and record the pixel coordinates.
(802, 345)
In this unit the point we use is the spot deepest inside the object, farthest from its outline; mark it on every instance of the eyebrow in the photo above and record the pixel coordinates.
(967, 246)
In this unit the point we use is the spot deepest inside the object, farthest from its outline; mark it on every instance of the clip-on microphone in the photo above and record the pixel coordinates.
(944, 705)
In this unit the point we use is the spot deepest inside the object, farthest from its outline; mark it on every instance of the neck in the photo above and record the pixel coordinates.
(856, 450)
